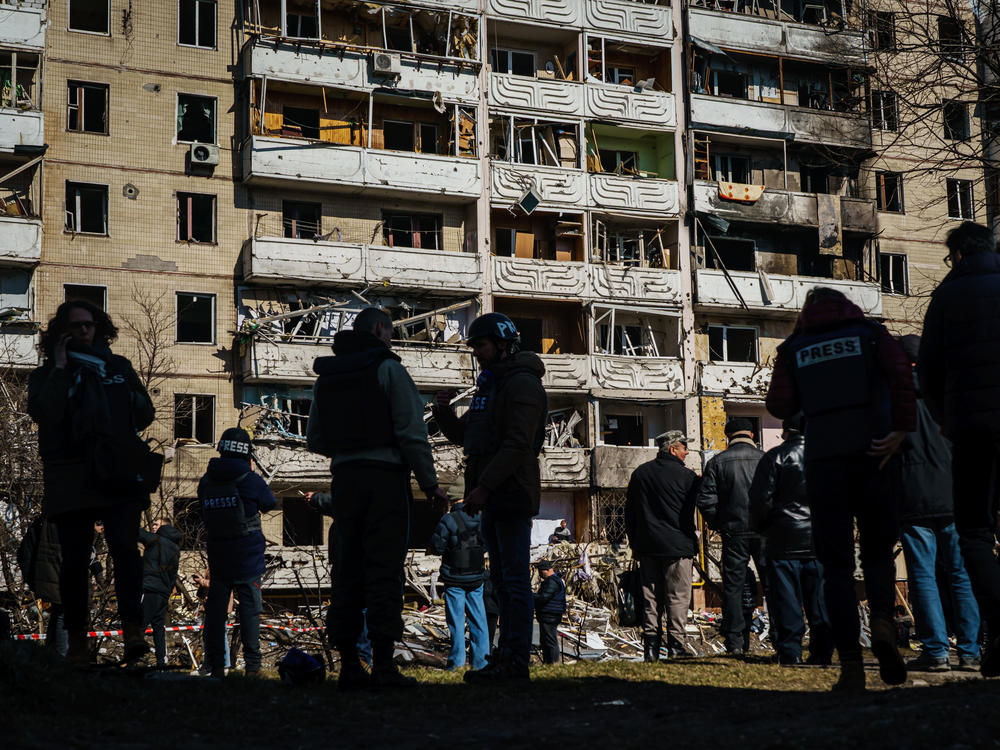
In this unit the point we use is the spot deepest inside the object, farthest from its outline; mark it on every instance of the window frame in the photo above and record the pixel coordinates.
(78, 86)
(76, 216)
(952, 55)
(194, 411)
(947, 131)
(215, 118)
(319, 222)
(215, 223)
(215, 24)
(69, 15)
(725, 343)
(177, 317)
(437, 232)
(102, 287)
(510, 52)
(880, 195)
(961, 186)
(873, 19)
(906, 274)
(728, 159)
(881, 109)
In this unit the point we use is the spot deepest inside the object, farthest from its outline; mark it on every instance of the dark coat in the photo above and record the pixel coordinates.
(550, 599)
(959, 364)
(724, 497)
(659, 508)
(54, 400)
(779, 505)
(510, 475)
(239, 559)
(48, 560)
(160, 559)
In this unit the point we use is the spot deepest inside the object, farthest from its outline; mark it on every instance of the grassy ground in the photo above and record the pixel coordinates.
(699, 703)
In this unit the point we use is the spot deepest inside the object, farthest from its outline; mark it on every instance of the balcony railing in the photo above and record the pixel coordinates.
(22, 27)
(21, 128)
(778, 293)
(20, 241)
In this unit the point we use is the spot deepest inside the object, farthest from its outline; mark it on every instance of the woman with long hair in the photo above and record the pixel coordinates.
(89, 405)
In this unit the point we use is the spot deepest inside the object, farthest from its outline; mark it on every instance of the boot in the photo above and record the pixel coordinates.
(852, 677)
(891, 667)
(352, 674)
(136, 646)
(505, 668)
(650, 648)
(385, 674)
(78, 653)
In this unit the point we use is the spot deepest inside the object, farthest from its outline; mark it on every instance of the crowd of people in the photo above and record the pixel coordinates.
(898, 439)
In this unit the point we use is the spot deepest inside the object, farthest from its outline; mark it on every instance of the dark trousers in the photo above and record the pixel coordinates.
(76, 541)
(508, 541)
(976, 477)
(56, 636)
(371, 525)
(548, 635)
(796, 585)
(842, 490)
(491, 625)
(737, 551)
(154, 614)
(249, 606)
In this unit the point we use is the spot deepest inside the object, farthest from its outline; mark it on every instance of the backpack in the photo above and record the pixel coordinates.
(469, 557)
(223, 512)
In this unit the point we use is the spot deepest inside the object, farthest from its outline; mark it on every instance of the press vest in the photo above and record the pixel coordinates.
(354, 411)
(843, 394)
(468, 557)
(482, 436)
(223, 510)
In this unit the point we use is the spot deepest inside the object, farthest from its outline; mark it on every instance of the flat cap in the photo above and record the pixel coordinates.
(672, 436)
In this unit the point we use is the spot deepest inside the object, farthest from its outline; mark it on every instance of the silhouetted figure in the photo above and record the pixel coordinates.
(550, 606)
(159, 574)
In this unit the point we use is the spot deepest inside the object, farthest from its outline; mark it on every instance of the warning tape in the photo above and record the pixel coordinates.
(173, 629)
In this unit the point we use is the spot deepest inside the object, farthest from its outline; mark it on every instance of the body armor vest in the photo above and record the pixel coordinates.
(354, 412)
(223, 511)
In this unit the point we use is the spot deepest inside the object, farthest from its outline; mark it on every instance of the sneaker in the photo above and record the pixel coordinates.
(969, 664)
(927, 663)
(390, 678)
(852, 677)
(891, 667)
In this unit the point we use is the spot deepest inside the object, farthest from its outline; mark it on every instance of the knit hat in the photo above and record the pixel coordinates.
(235, 443)
(738, 424)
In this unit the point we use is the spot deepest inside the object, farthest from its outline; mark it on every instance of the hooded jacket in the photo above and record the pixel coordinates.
(239, 559)
(724, 497)
(659, 508)
(779, 505)
(411, 449)
(959, 365)
(160, 559)
(446, 538)
(784, 400)
(550, 599)
(509, 471)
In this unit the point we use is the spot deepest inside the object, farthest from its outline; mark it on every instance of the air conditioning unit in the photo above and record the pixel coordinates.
(204, 154)
(388, 64)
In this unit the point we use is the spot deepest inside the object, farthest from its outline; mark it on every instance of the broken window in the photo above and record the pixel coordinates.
(532, 141)
(412, 230)
(960, 200)
(884, 114)
(195, 217)
(889, 191)
(949, 38)
(195, 118)
(732, 344)
(505, 244)
(882, 30)
(623, 76)
(620, 162)
(302, 22)
(736, 253)
(301, 220)
(513, 62)
(418, 137)
(814, 179)
(728, 168)
(196, 23)
(195, 318)
(956, 120)
(194, 418)
(18, 73)
(730, 83)
(546, 327)
(630, 333)
(626, 246)
(86, 208)
(90, 15)
(623, 429)
(92, 293)
(894, 273)
(87, 107)
(299, 122)
(301, 526)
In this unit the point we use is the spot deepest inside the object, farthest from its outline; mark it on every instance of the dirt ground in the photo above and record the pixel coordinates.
(717, 701)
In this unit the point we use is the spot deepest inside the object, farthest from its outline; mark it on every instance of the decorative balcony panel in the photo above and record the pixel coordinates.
(557, 187)
(786, 295)
(637, 374)
(536, 95)
(22, 27)
(291, 260)
(20, 241)
(539, 277)
(735, 379)
(17, 347)
(554, 12)
(633, 194)
(566, 372)
(629, 17)
(653, 110)
(356, 169)
(647, 285)
(21, 127)
(564, 467)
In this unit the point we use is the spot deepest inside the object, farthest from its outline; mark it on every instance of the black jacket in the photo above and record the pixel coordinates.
(724, 499)
(919, 475)
(959, 363)
(550, 599)
(659, 508)
(160, 560)
(779, 505)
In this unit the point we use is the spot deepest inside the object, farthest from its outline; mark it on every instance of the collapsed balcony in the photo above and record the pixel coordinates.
(636, 350)
(835, 14)
(20, 222)
(18, 329)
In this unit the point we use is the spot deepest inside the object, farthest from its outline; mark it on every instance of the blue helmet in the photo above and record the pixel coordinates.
(496, 326)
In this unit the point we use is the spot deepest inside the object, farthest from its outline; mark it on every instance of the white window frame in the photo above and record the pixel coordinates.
(78, 86)
(614, 71)
(194, 425)
(724, 162)
(968, 196)
(215, 117)
(76, 210)
(177, 317)
(880, 123)
(215, 218)
(102, 287)
(510, 52)
(215, 19)
(906, 273)
(725, 343)
(85, 31)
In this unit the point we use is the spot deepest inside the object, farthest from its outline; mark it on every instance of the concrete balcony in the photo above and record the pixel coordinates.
(807, 125)
(629, 17)
(537, 96)
(564, 467)
(614, 464)
(552, 12)
(647, 197)
(353, 69)
(20, 241)
(22, 28)
(740, 31)
(636, 377)
(275, 161)
(647, 285)
(292, 362)
(21, 128)
(787, 293)
(784, 207)
(566, 372)
(735, 379)
(539, 278)
(653, 110)
(17, 346)
(556, 186)
(415, 268)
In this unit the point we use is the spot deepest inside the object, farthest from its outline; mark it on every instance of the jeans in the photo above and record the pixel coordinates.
(508, 541)
(458, 603)
(249, 606)
(154, 614)
(76, 540)
(922, 546)
(737, 550)
(666, 589)
(976, 476)
(843, 489)
(798, 584)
